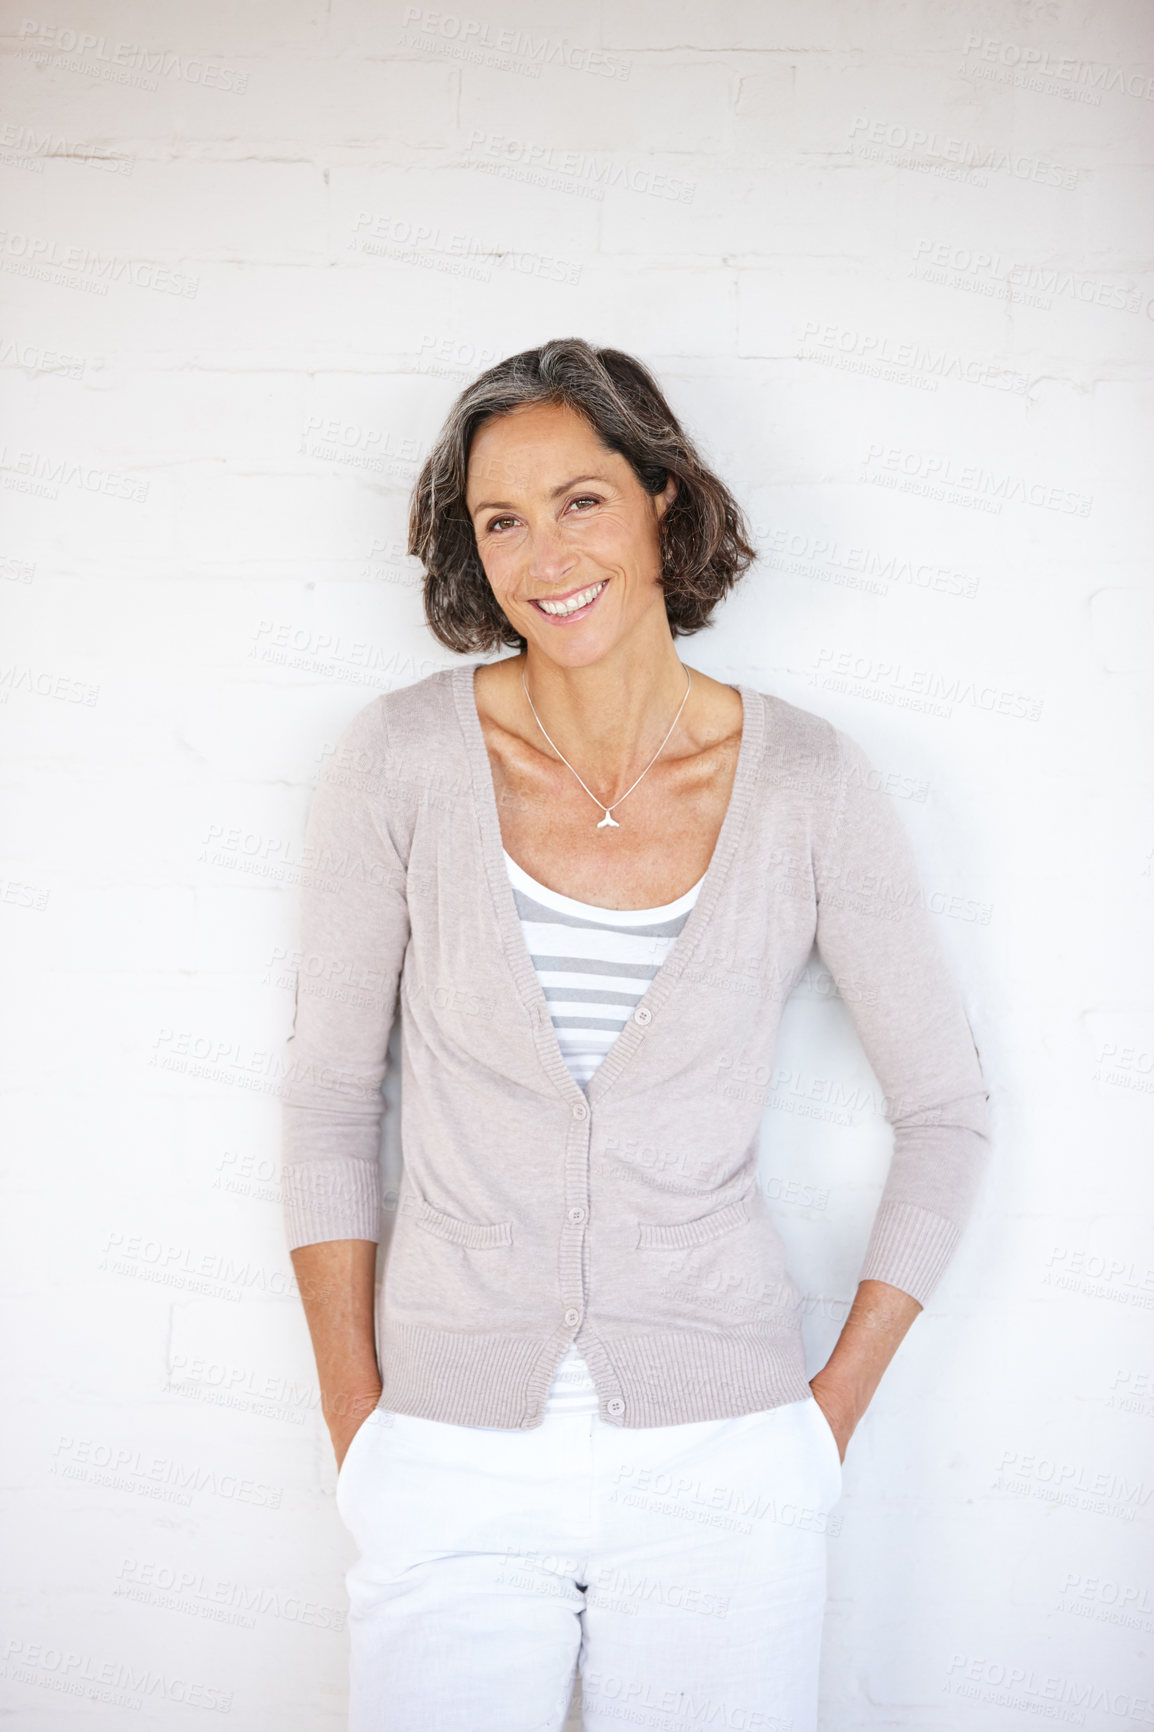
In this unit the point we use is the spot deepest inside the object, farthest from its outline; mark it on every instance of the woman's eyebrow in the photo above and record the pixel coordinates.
(576, 482)
(504, 505)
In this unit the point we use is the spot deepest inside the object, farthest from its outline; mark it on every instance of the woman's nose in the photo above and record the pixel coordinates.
(550, 559)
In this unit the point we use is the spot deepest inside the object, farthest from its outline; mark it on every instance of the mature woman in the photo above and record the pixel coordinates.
(587, 877)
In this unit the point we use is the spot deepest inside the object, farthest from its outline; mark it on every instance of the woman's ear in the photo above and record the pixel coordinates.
(665, 498)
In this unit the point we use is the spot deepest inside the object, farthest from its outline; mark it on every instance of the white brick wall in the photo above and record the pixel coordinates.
(227, 231)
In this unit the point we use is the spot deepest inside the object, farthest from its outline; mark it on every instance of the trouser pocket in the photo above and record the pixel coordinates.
(828, 1446)
(356, 1445)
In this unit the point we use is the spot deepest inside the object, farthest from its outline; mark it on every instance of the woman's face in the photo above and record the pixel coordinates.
(557, 515)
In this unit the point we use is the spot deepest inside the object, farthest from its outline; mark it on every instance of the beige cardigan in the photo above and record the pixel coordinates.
(625, 1217)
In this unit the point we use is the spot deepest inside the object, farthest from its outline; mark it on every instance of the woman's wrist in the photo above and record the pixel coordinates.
(842, 1388)
(840, 1407)
(878, 1320)
(345, 1409)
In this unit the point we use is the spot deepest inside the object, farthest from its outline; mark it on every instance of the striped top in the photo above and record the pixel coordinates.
(594, 965)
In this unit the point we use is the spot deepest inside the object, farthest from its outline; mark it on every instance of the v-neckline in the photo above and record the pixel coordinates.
(529, 989)
(595, 911)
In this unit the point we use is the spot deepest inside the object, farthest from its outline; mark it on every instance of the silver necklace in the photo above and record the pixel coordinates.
(608, 810)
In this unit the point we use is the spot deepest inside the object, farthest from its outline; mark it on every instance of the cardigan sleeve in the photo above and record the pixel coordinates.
(879, 941)
(353, 927)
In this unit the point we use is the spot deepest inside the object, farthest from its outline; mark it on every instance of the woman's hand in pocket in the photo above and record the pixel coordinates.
(844, 1387)
(345, 1415)
(839, 1415)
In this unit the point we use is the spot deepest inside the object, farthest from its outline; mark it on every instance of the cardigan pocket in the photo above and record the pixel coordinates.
(659, 1236)
(475, 1235)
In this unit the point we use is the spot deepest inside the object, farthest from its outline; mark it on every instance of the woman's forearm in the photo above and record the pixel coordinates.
(872, 1333)
(336, 1279)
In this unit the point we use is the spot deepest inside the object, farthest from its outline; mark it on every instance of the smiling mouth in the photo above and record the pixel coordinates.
(578, 602)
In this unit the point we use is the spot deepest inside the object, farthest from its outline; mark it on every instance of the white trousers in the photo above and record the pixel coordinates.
(681, 1568)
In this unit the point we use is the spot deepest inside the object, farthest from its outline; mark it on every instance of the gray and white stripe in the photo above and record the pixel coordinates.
(594, 964)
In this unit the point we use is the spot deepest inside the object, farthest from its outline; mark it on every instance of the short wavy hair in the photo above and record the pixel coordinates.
(705, 544)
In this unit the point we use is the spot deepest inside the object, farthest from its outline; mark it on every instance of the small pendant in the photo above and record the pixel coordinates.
(610, 820)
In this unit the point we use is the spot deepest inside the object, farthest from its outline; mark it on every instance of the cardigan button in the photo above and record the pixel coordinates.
(615, 1406)
(577, 1215)
(572, 1316)
(642, 1014)
(580, 1111)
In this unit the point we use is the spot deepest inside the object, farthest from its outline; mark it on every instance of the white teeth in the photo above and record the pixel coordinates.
(574, 601)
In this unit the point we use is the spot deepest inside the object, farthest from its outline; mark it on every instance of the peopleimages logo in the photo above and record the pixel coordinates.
(118, 1683)
(1033, 65)
(988, 273)
(994, 487)
(50, 260)
(925, 148)
(511, 49)
(17, 353)
(574, 171)
(124, 62)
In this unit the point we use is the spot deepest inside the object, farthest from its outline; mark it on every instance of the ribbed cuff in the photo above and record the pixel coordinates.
(910, 1248)
(322, 1201)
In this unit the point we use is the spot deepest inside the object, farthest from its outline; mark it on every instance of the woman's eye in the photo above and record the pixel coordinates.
(497, 521)
(584, 499)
